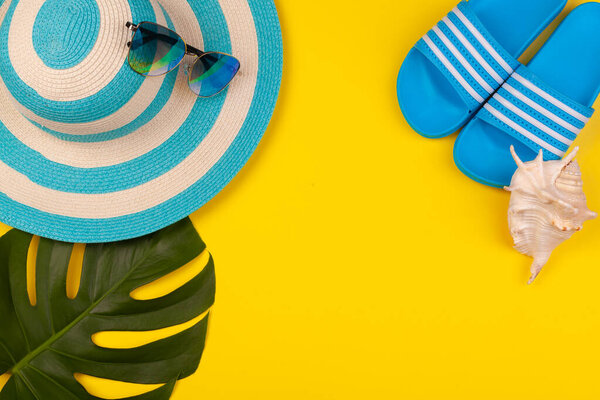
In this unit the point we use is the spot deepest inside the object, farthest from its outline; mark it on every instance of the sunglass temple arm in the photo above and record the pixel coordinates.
(189, 49)
(132, 28)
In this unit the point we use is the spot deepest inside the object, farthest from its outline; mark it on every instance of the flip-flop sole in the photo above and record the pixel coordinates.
(430, 104)
(570, 62)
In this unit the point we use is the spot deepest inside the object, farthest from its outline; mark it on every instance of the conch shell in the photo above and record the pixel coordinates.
(547, 206)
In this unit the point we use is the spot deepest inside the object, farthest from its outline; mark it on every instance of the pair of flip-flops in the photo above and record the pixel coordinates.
(465, 72)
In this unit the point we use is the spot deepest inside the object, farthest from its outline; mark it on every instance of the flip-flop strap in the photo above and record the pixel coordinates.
(468, 55)
(536, 114)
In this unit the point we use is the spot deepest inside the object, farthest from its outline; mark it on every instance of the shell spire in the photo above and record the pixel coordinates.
(547, 206)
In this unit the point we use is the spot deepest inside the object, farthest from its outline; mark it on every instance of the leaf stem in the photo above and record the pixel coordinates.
(44, 346)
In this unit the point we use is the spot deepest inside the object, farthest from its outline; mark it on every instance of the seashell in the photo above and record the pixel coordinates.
(547, 206)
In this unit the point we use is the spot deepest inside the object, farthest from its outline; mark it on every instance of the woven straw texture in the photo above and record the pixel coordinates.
(92, 151)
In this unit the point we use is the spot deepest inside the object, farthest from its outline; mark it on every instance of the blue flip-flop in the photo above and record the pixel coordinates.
(459, 64)
(541, 107)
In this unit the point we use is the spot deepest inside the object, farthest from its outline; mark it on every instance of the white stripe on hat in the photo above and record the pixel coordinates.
(531, 86)
(546, 113)
(452, 70)
(462, 60)
(473, 51)
(130, 111)
(482, 40)
(86, 78)
(532, 121)
(110, 152)
(4, 8)
(136, 106)
(523, 131)
(153, 193)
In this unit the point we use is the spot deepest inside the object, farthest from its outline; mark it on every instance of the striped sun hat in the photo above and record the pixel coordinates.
(91, 151)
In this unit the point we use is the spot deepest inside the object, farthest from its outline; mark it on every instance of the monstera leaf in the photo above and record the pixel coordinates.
(43, 346)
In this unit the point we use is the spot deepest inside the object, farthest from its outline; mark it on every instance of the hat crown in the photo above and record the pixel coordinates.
(65, 31)
(120, 155)
(64, 64)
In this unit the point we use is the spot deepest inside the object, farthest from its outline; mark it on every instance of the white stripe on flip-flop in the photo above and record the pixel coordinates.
(82, 80)
(531, 86)
(546, 113)
(452, 70)
(532, 120)
(463, 61)
(490, 49)
(523, 131)
(153, 193)
(125, 115)
(120, 150)
(473, 51)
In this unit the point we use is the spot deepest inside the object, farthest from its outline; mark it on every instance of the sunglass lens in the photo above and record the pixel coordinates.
(212, 72)
(155, 50)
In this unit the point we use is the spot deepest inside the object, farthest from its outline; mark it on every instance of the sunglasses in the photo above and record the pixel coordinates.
(156, 50)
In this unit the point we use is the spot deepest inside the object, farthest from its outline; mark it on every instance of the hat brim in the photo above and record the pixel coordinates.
(94, 194)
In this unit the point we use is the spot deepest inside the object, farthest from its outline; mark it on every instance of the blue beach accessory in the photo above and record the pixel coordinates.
(543, 106)
(156, 50)
(461, 62)
(90, 150)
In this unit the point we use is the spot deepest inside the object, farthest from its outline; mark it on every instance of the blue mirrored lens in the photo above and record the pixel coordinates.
(155, 50)
(212, 72)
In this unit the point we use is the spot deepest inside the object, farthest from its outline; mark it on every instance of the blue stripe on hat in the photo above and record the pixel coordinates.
(73, 111)
(180, 206)
(144, 168)
(163, 95)
(78, 40)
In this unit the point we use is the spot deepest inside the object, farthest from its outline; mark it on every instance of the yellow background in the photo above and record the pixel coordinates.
(354, 261)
